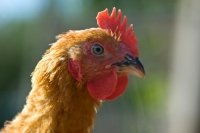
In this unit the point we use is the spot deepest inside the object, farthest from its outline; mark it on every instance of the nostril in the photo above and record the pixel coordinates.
(129, 57)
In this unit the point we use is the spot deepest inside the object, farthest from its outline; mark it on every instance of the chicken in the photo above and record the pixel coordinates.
(79, 71)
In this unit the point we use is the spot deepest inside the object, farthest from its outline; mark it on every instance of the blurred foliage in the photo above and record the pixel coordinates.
(148, 95)
(141, 108)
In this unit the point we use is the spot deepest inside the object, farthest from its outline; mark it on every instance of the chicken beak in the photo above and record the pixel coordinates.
(131, 66)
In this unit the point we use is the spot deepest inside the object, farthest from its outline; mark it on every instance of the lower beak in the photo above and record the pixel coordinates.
(133, 67)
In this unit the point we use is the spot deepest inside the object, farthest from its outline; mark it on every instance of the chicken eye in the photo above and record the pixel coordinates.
(97, 49)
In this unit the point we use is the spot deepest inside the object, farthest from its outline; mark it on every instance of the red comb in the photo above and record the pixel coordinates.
(117, 29)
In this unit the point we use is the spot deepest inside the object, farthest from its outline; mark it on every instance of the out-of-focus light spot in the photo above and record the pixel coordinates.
(19, 9)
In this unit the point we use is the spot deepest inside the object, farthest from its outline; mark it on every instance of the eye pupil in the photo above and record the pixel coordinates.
(97, 49)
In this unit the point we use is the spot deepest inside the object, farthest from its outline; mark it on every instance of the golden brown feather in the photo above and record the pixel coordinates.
(57, 101)
(73, 77)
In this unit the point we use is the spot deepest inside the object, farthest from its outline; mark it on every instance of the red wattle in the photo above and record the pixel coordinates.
(102, 86)
(122, 83)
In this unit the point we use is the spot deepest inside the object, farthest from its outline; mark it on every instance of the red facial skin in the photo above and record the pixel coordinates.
(103, 80)
(102, 83)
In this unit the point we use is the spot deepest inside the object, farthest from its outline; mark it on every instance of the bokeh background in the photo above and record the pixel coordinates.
(166, 31)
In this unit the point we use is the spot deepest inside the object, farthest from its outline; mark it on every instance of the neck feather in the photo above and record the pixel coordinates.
(57, 103)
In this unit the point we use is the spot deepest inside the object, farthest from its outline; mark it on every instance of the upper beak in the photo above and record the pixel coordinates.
(131, 66)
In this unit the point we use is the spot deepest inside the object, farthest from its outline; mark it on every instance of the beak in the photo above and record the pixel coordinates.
(131, 66)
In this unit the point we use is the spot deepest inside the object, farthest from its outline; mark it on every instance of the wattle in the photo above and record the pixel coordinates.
(107, 86)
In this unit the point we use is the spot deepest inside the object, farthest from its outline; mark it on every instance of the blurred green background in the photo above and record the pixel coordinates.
(27, 27)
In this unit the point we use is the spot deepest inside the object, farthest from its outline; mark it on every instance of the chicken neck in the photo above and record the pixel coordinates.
(56, 104)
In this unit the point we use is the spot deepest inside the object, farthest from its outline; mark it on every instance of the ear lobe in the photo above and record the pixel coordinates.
(75, 69)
